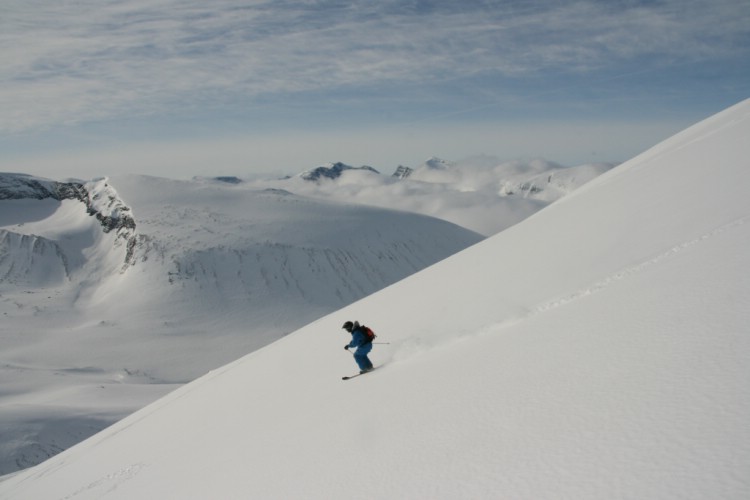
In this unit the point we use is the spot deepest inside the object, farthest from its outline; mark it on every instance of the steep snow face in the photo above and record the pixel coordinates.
(31, 259)
(112, 298)
(595, 350)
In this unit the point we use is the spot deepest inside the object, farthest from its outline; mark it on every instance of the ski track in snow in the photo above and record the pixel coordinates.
(416, 346)
(627, 272)
(110, 481)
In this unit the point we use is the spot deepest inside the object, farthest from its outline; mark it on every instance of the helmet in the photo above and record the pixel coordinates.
(348, 326)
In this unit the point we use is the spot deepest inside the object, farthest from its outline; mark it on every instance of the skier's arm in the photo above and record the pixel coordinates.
(357, 339)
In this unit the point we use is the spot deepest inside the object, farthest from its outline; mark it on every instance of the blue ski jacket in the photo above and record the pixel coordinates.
(359, 339)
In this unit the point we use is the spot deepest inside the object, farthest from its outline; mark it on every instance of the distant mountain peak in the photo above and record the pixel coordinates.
(331, 171)
(436, 163)
(402, 172)
(229, 179)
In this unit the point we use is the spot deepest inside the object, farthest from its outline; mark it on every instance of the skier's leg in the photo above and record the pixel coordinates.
(361, 360)
(363, 351)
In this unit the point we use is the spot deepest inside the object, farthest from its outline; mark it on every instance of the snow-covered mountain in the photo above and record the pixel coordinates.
(115, 291)
(332, 171)
(35, 253)
(99, 199)
(435, 163)
(595, 350)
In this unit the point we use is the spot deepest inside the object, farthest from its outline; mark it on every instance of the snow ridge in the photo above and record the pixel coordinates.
(99, 198)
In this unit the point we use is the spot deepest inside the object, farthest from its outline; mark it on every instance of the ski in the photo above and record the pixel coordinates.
(356, 375)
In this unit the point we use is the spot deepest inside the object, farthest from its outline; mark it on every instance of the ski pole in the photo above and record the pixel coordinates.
(388, 343)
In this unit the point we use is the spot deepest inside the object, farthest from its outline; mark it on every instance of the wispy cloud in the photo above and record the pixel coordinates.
(79, 61)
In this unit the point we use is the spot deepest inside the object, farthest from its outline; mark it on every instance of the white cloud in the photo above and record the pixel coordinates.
(483, 194)
(88, 60)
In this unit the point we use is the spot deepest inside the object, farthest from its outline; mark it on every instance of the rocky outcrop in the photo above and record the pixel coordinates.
(402, 172)
(100, 199)
(332, 171)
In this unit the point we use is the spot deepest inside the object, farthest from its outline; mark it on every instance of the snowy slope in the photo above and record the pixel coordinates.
(102, 317)
(130, 286)
(596, 350)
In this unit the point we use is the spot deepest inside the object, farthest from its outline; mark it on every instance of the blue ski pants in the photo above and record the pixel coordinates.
(360, 356)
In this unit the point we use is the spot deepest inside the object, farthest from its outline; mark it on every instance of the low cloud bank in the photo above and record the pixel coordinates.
(483, 194)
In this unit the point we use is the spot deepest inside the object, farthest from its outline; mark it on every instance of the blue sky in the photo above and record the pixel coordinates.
(183, 88)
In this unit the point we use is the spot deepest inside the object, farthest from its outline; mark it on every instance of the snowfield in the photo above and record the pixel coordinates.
(598, 349)
(117, 290)
(99, 322)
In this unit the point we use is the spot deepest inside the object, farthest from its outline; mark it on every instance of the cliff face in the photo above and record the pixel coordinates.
(50, 230)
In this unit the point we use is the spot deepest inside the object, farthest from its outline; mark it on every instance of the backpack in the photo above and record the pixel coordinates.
(368, 333)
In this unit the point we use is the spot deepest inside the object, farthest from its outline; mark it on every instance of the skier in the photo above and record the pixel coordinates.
(362, 342)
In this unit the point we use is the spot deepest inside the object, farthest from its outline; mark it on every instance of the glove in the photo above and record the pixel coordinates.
(346, 347)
